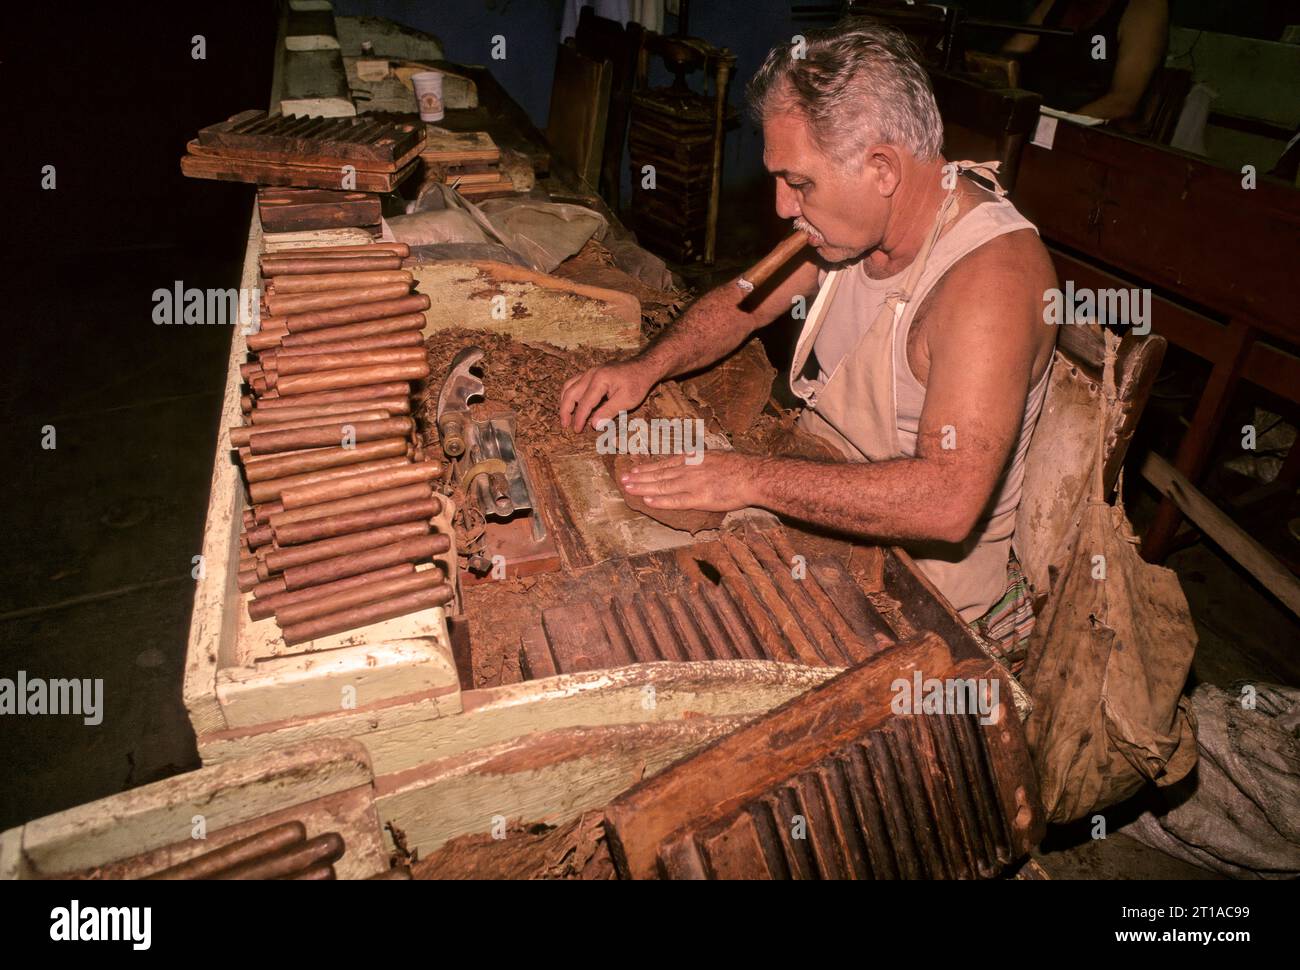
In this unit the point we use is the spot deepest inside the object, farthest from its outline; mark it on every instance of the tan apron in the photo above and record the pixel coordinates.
(856, 407)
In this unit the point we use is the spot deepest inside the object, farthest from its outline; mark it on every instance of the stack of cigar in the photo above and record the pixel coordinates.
(338, 533)
(280, 852)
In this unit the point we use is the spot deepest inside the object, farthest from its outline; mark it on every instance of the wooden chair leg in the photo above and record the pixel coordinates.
(1194, 450)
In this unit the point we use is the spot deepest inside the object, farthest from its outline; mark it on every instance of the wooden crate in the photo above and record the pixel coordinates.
(327, 785)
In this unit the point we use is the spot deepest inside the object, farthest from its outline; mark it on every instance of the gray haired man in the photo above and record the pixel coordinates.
(924, 358)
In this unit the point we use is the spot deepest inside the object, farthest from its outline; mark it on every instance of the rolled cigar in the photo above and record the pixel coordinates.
(262, 843)
(278, 560)
(328, 299)
(340, 567)
(290, 439)
(390, 389)
(374, 592)
(401, 249)
(343, 620)
(379, 310)
(309, 363)
(258, 536)
(320, 872)
(265, 606)
(239, 436)
(259, 385)
(262, 512)
(271, 491)
(383, 341)
(330, 380)
(311, 266)
(246, 403)
(262, 340)
(357, 503)
(269, 417)
(296, 533)
(369, 328)
(266, 469)
(249, 370)
(270, 587)
(285, 285)
(325, 848)
(246, 579)
(760, 272)
(296, 497)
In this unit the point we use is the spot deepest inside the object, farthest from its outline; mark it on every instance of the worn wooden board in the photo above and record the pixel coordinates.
(579, 111)
(326, 784)
(316, 84)
(311, 30)
(531, 306)
(549, 776)
(295, 210)
(459, 147)
(198, 163)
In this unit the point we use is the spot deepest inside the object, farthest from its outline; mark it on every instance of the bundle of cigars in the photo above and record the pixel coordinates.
(339, 528)
(280, 852)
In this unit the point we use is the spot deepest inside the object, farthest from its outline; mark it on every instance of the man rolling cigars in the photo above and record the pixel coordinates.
(339, 533)
(924, 358)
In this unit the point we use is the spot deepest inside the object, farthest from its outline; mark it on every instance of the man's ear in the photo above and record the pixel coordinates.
(886, 166)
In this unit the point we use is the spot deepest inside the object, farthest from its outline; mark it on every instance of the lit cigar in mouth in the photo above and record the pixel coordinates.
(760, 272)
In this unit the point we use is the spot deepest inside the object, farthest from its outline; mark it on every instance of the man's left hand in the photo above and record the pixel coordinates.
(723, 482)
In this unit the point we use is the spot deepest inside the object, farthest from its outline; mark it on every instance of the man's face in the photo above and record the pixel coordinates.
(838, 204)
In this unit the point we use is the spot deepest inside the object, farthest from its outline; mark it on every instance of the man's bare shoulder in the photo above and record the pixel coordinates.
(1015, 264)
(994, 294)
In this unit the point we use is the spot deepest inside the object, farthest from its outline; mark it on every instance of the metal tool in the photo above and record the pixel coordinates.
(488, 470)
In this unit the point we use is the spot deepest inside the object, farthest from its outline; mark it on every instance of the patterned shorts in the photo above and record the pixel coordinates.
(1009, 622)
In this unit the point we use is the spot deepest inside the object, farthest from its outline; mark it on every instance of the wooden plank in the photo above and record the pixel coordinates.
(579, 109)
(551, 776)
(229, 169)
(1198, 441)
(738, 767)
(162, 814)
(311, 30)
(1248, 553)
(291, 210)
(316, 84)
(1143, 208)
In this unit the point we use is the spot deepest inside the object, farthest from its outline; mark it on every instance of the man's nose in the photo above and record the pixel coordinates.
(787, 201)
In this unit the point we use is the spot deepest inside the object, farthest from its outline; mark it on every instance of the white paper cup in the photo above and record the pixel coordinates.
(428, 92)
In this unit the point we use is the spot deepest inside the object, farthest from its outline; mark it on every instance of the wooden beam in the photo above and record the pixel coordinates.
(1194, 450)
(1253, 557)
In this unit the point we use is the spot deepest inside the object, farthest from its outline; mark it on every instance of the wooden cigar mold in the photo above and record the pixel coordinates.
(338, 534)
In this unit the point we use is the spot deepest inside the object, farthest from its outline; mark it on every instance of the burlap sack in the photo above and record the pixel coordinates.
(1108, 659)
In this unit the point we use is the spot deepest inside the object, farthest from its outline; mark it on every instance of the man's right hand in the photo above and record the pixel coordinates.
(620, 386)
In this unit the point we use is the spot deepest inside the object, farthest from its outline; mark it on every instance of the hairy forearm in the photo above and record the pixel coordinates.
(906, 499)
(710, 329)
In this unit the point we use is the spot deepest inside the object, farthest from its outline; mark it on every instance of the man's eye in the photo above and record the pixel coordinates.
(800, 186)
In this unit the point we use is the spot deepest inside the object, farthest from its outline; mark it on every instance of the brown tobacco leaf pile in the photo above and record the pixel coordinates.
(524, 377)
(575, 850)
